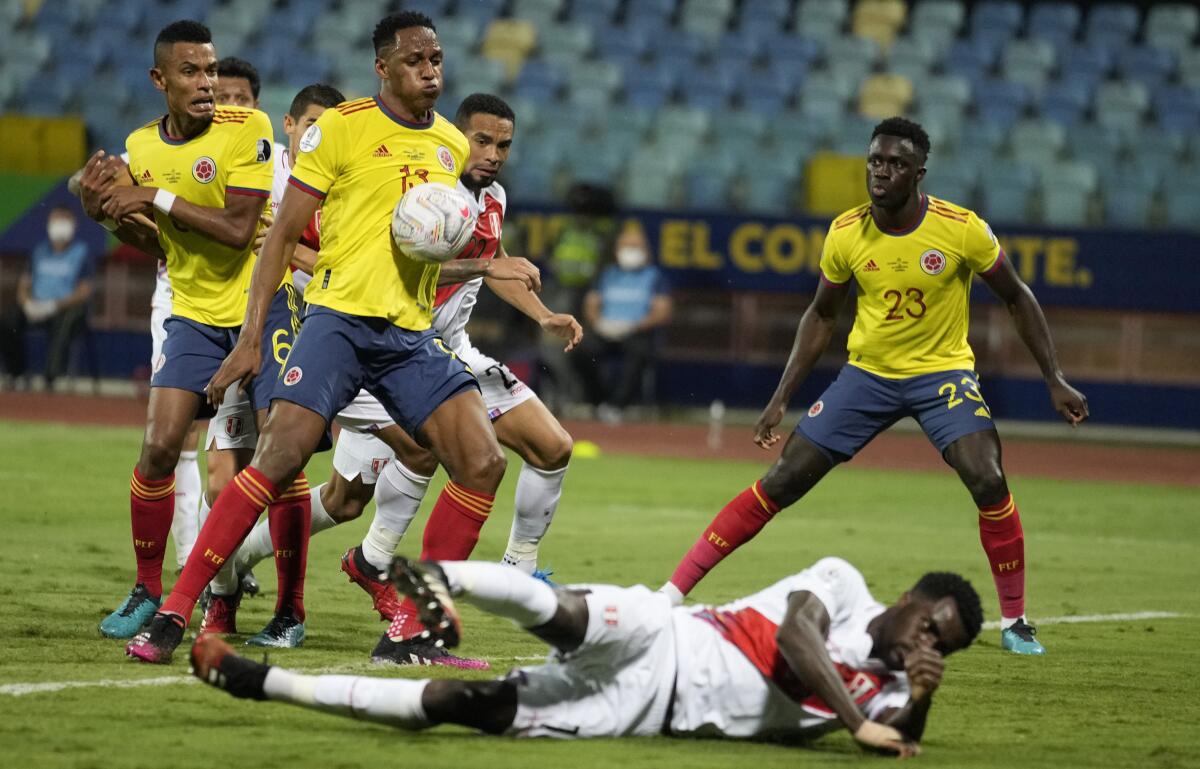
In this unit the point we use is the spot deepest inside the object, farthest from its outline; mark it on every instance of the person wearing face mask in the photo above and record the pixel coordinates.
(53, 293)
(629, 302)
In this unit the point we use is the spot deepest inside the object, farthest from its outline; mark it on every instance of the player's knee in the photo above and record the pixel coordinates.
(555, 454)
(986, 485)
(345, 507)
(158, 458)
(279, 460)
(485, 470)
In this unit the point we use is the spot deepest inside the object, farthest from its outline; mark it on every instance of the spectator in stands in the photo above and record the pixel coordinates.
(53, 294)
(623, 312)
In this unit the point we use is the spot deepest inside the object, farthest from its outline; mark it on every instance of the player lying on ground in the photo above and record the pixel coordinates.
(796, 660)
(913, 257)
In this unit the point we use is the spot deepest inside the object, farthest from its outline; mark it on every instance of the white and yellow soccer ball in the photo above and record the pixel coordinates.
(433, 223)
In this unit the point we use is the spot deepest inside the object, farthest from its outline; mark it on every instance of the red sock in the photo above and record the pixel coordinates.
(450, 535)
(233, 515)
(734, 526)
(290, 520)
(151, 508)
(1004, 542)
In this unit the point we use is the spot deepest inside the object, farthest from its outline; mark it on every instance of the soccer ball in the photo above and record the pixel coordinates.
(433, 223)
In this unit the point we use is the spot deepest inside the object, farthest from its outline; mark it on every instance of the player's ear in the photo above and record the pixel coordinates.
(381, 68)
(156, 77)
(289, 125)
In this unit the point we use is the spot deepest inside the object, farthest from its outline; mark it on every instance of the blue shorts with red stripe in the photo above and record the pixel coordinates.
(193, 351)
(337, 354)
(859, 405)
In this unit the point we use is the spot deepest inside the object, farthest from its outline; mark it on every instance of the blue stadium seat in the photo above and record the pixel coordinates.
(1029, 62)
(1113, 24)
(912, 57)
(539, 82)
(1066, 101)
(1002, 102)
(1007, 194)
(1068, 191)
(593, 13)
(996, 18)
(1056, 22)
(1128, 206)
(1085, 62)
(769, 104)
(530, 182)
(459, 35)
(621, 43)
(1149, 66)
(773, 11)
(708, 189)
(786, 50)
(821, 19)
(1036, 143)
(1189, 67)
(1172, 26)
(937, 22)
(482, 12)
(749, 45)
(1093, 143)
(540, 12)
(1177, 108)
(565, 42)
(772, 193)
(287, 23)
(1122, 105)
(851, 58)
(707, 18)
(711, 87)
(1181, 201)
(681, 47)
(649, 10)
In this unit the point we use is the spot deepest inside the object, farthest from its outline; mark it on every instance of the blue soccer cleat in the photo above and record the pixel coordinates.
(543, 575)
(1019, 639)
(134, 612)
(284, 631)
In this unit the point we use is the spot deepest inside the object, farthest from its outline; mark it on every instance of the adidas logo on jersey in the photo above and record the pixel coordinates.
(871, 266)
(381, 152)
(146, 177)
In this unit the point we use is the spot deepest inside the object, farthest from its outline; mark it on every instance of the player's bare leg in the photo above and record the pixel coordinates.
(532, 431)
(800, 467)
(976, 458)
(169, 415)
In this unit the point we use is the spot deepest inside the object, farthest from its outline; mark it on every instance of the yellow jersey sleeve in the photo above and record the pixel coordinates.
(249, 157)
(323, 150)
(833, 267)
(980, 249)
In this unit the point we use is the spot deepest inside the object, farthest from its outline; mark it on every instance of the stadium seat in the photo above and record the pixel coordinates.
(1066, 101)
(1093, 143)
(710, 87)
(564, 42)
(1028, 62)
(879, 20)
(937, 22)
(530, 182)
(1149, 66)
(539, 82)
(1189, 67)
(1112, 24)
(682, 124)
(1131, 207)
(772, 193)
(1068, 190)
(681, 49)
(1177, 108)
(509, 41)
(476, 73)
(1181, 201)
(482, 12)
(540, 12)
(593, 13)
(1036, 143)
(948, 174)
(768, 13)
(912, 57)
(1007, 194)
(655, 12)
(1001, 101)
(621, 44)
(1055, 22)
(1085, 62)
(884, 95)
(996, 18)
(708, 189)
(821, 19)
(707, 18)
(851, 58)
(459, 35)
(1172, 26)
(769, 104)
(1121, 105)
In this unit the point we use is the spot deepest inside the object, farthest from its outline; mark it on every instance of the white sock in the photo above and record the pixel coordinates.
(1007, 622)
(503, 591)
(185, 526)
(257, 546)
(538, 492)
(398, 495)
(672, 592)
(225, 581)
(392, 701)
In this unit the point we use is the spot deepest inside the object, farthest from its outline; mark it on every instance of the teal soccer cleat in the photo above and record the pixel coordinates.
(284, 631)
(134, 612)
(543, 575)
(1019, 639)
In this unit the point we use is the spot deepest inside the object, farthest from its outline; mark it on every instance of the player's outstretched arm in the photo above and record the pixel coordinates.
(801, 639)
(1035, 333)
(520, 270)
(243, 363)
(812, 339)
(560, 324)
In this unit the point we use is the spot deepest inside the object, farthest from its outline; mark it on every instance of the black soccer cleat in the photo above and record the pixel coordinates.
(215, 663)
(425, 584)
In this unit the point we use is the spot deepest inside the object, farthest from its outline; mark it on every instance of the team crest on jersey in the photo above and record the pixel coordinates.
(311, 139)
(204, 170)
(264, 150)
(233, 427)
(933, 262)
(378, 463)
(293, 375)
(445, 158)
(816, 408)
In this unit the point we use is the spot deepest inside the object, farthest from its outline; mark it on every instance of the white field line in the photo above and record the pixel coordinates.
(45, 687)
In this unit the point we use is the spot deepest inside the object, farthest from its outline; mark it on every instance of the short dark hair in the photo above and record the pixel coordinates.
(488, 104)
(183, 31)
(232, 66)
(317, 93)
(388, 26)
(905, 129)
(937, 585)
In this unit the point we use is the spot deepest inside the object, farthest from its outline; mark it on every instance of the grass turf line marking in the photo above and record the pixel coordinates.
(20, 690)
(1074, 619)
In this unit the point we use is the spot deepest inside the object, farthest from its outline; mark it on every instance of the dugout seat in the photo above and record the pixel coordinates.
(1172, 26)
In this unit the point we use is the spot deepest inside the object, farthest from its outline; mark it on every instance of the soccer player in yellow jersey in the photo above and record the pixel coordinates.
(367, 324)
(913, 257)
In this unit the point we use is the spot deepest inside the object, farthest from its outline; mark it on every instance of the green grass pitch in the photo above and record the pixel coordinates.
(1111, 694)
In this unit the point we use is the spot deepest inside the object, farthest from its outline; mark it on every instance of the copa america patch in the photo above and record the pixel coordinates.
(264, 150)
(204, 170)
(933, 262)
(311, 139)
(446, 158)
(816, 408)
(293, 375)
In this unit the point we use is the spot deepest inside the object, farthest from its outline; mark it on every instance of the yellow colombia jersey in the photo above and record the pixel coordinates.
(232, 156)
(913, 286)
(360, 158)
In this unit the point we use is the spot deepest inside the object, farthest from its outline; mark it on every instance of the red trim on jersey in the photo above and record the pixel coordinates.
(316, 193)
(910, 228)
(485, 243)
(829, 282)
(995, 265)
(415, 126)
(249, 191)
(174, 141)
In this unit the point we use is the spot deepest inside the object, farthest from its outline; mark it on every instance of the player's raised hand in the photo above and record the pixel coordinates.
(98, 174)
(564, 326)
(764, 429)
(1069, 402)
(877, 736)
(240, 366)
(924, 668)
(517, 268)
(120, 201)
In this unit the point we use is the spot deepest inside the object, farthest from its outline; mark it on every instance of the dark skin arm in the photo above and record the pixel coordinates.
(1031, 326)
(812, 339)
(801, 639)
(512, 268)
(924, 668)
(231, 226)
(95, 181)
(243, 364)
(560, 324)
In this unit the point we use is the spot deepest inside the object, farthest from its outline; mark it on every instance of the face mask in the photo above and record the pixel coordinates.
(61, 230)
(631, 257)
